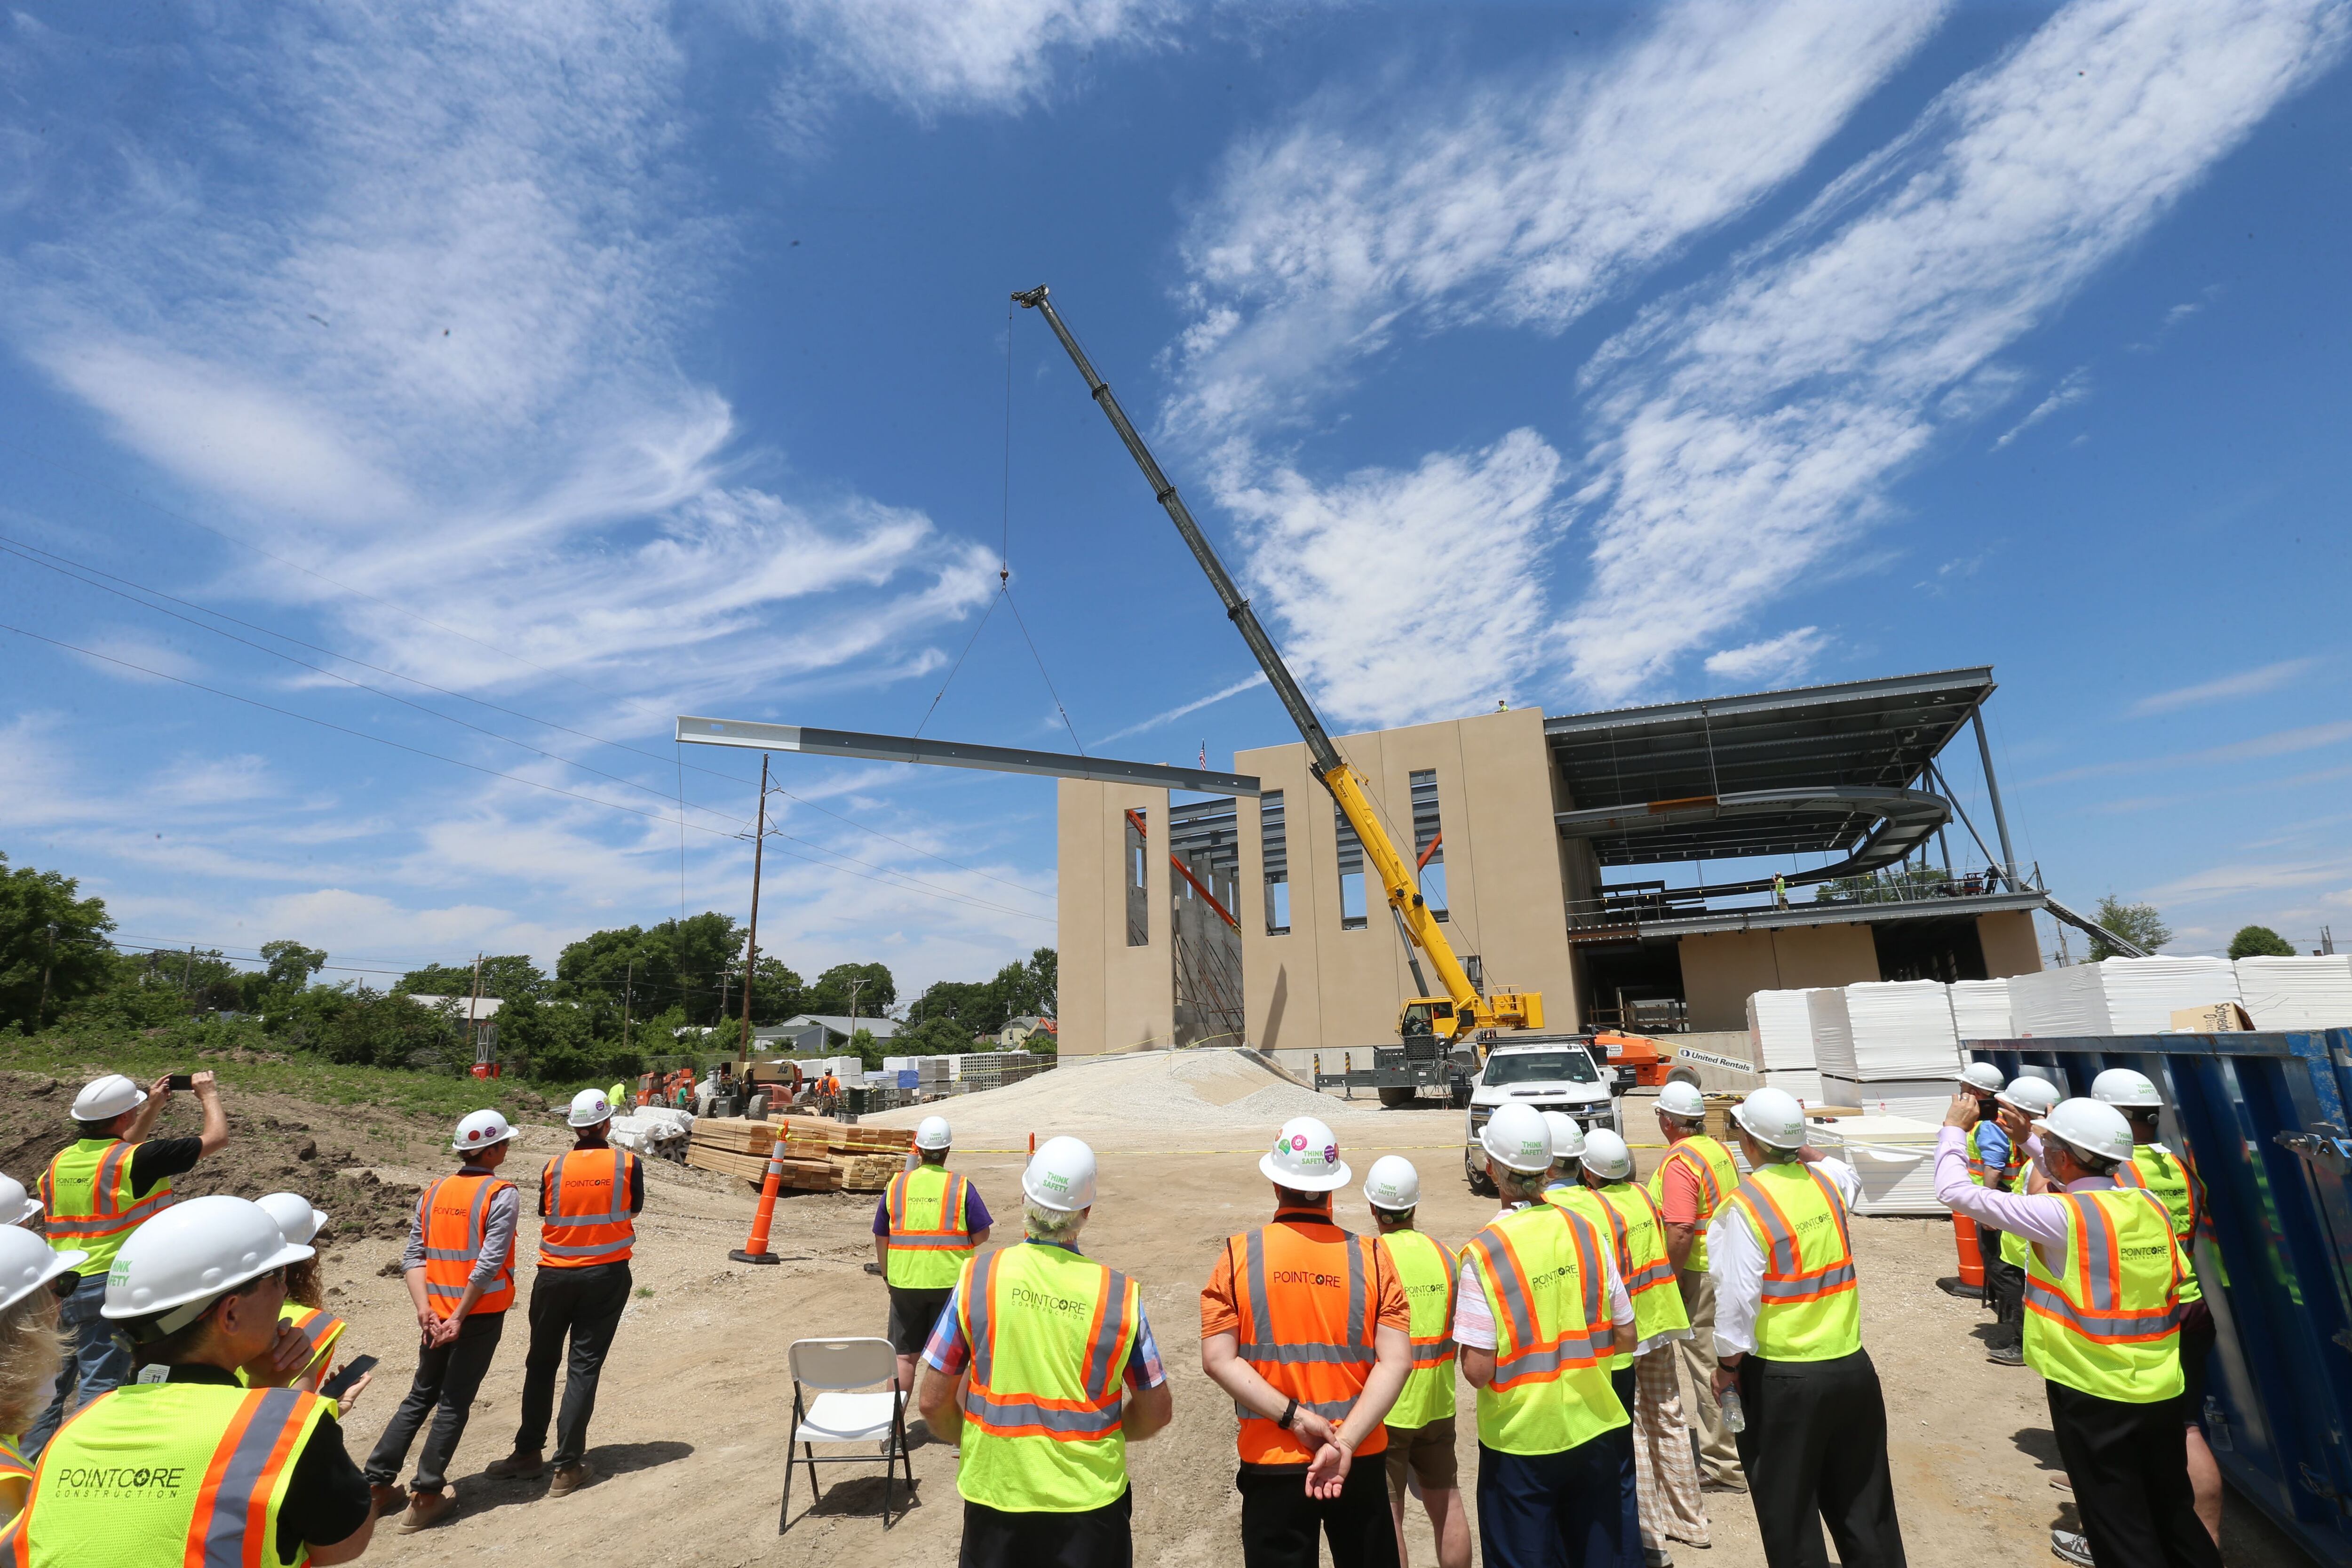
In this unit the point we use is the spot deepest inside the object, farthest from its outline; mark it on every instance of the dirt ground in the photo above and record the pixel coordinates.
(689, 1438)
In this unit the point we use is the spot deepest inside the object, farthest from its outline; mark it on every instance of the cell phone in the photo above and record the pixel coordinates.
(181, 1080)
(340, 1384)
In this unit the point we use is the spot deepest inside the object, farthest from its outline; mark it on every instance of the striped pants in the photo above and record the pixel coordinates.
(1666, 1476)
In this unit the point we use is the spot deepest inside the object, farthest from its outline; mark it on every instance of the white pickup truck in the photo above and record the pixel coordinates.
(1555, 1074)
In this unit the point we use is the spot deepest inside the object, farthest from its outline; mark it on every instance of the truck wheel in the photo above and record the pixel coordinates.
(1399, 1096)
(1480, 1185)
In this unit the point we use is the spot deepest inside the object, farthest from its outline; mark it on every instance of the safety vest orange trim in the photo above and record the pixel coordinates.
(1533, 1359)
(1004, 1414)
(107, 1214)
(319, 1328)
(1786, 1281)
(12, 1463)
(1638, 1280)
(2094, 1249)
(948, 1235)
(2129, 1174)
(1326, 1375)
(453, 1245)
(579, 1230)
(1710, 1192)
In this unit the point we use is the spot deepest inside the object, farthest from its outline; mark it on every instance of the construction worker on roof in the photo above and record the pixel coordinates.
(926, 1227)
(1565, 1189)
(460, 1269)
(185, 1465)
(1540, 1310)
(1690, 1183)
(1421, 1451)
(98, 1190)
(305, 1310)
(1307, 1328)
(1666, 1476)
(1787, 1333)
(588, 1198)
(2173, 1179)
(1043, 1370)
(2020, 1102)
(2103, 1271)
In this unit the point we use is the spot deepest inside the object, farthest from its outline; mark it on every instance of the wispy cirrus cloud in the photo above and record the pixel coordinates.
(1771, 661)
(2245, 683)
(2278, 743)
(2071, 388)
(1180, 710)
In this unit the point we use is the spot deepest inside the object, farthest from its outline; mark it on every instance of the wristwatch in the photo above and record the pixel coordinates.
(1290, 1412)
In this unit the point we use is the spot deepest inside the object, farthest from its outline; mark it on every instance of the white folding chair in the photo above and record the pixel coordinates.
(848, 1409)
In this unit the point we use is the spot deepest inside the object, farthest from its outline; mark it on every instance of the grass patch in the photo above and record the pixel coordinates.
(645, 1292)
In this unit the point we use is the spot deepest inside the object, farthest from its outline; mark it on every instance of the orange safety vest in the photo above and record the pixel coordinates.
(454, 1210)
(586, 1196)
(1308, 1297)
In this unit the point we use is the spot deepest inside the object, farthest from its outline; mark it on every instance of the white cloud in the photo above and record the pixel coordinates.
(1179, 711)
(2071, 389)
(2278, 743)
(2246, 683)
(1752, 427)
(1771, 661)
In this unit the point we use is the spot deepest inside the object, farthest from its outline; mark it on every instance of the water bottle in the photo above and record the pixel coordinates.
(1734, 1414)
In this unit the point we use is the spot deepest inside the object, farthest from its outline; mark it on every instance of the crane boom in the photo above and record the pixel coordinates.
(1462, 1007)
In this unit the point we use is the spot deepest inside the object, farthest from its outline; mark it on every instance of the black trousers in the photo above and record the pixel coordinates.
(1621, 1382)
(2130, 1473)
(447, 1378)
(1099, 1538)
(1280, 1522)
(583, 1304)
(2004, 1291)
(1815, 1454)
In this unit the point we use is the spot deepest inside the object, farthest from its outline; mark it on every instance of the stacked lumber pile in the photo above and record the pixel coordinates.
(820, 1155)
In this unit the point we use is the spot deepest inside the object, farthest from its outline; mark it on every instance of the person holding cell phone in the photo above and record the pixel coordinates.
(305, 1310)
(112, 1179)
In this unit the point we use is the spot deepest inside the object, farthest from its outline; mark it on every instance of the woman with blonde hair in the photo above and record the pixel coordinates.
(31, 1349)
(306, 1304)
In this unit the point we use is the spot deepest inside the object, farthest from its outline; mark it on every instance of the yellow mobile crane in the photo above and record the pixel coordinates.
(1430, 1024)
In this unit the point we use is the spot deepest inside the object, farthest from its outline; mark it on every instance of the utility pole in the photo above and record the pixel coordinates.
(628, 998)
(473, 1013)
(751, 943)
(854, 987)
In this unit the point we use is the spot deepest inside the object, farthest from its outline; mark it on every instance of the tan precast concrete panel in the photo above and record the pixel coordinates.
(1721, 969)
(2011, 944)
(1112, 997)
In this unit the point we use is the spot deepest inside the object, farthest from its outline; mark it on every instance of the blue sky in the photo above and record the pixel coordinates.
(557, 370)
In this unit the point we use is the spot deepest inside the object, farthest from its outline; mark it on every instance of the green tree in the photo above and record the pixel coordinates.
(506, 976)
(695, 964)
(2260, 941)
(830, 996)
(53, 946)
(2138, 924)
(938, 1036)
(870, 1050)
(553, 1041)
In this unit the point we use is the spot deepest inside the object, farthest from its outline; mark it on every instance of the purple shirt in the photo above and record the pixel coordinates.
(975, 1213)
(2040, 1220)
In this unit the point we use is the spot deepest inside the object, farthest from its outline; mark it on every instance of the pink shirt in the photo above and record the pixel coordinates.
(2040, 1220)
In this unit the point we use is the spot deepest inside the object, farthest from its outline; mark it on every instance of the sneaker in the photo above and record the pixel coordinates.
(388, 1500)
(567, 1480)
(425, 1509)
(2069, 1547)
(2006, 1355)
(519, 1466)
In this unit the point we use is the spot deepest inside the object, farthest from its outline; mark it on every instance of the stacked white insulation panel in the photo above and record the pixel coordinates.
(1980, 1010)
(1900, 1029)
(2117, 996)
(1780, 1031)
(2297, 992)
(1833, 1032)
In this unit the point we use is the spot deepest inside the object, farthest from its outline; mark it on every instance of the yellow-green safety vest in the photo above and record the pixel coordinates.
(2002, 1179)
(1044, 1405)
(1810, 1309)
(1717, 1174)
(1426, 1269)
(1540, 1269)
(1639, 1233)
(929, 1241)
(2111, 1328)
(164, 1473)
(2168, 1176)
(1583, 1202)
(87, 1192)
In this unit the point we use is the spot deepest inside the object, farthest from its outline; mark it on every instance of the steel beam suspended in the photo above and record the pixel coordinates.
(757, 737)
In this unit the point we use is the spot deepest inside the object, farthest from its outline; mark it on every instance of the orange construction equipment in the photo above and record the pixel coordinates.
(1639, 1052)
(1964, 1236)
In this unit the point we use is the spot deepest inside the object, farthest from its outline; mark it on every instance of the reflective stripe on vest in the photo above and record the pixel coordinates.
(2174, 1184)
(456, 1210)
(1712, 1165)
(188, 1474)
(1051, 1335)
(1808, 1309)
(1425, 1268)
(1978, 1170)
(1301, 1334)
(1540, 1269)
(320, 1330)
(13, 1465)
(1585, 1205)
(586, 1195)
(929, 1232)
(1640, 1231)
(2112, 1328)
(86, 1194)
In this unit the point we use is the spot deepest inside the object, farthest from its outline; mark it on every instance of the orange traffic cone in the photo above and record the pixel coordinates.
(755, 1250)
(1964, 1236)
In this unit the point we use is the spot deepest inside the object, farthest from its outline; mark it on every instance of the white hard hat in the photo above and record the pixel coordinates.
(479, 1129)
(2125, 1090)
(1061, 1176)
(589, 1107)
(1679, 1099)
(297, 1220)
(932, 1132)
(1392, 1183)
(1773, 1118)
(191, 1253)
(104, 1099)
(28, 1263)
(2097, 1129)
(16, 1206)
(1516, 1138)
(1606, 1156)
(2033, 1096)
(1305, 1158)
(1983, 1076)
(1567, 1137)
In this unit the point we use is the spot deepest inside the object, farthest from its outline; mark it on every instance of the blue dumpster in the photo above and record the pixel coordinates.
(2262, 1119)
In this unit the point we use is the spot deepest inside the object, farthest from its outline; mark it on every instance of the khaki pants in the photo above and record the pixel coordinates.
(1717, 1454)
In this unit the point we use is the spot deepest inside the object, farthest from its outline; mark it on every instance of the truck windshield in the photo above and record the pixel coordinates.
(1535, 1067)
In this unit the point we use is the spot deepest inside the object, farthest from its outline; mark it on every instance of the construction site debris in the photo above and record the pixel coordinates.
(820, 1155)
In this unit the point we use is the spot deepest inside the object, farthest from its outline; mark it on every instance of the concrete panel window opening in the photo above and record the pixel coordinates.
(1351, 873)
(1139, 902)
(1429, 842)
(1274, 850)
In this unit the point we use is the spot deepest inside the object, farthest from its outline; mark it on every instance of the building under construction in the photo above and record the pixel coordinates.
(1569, 855)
